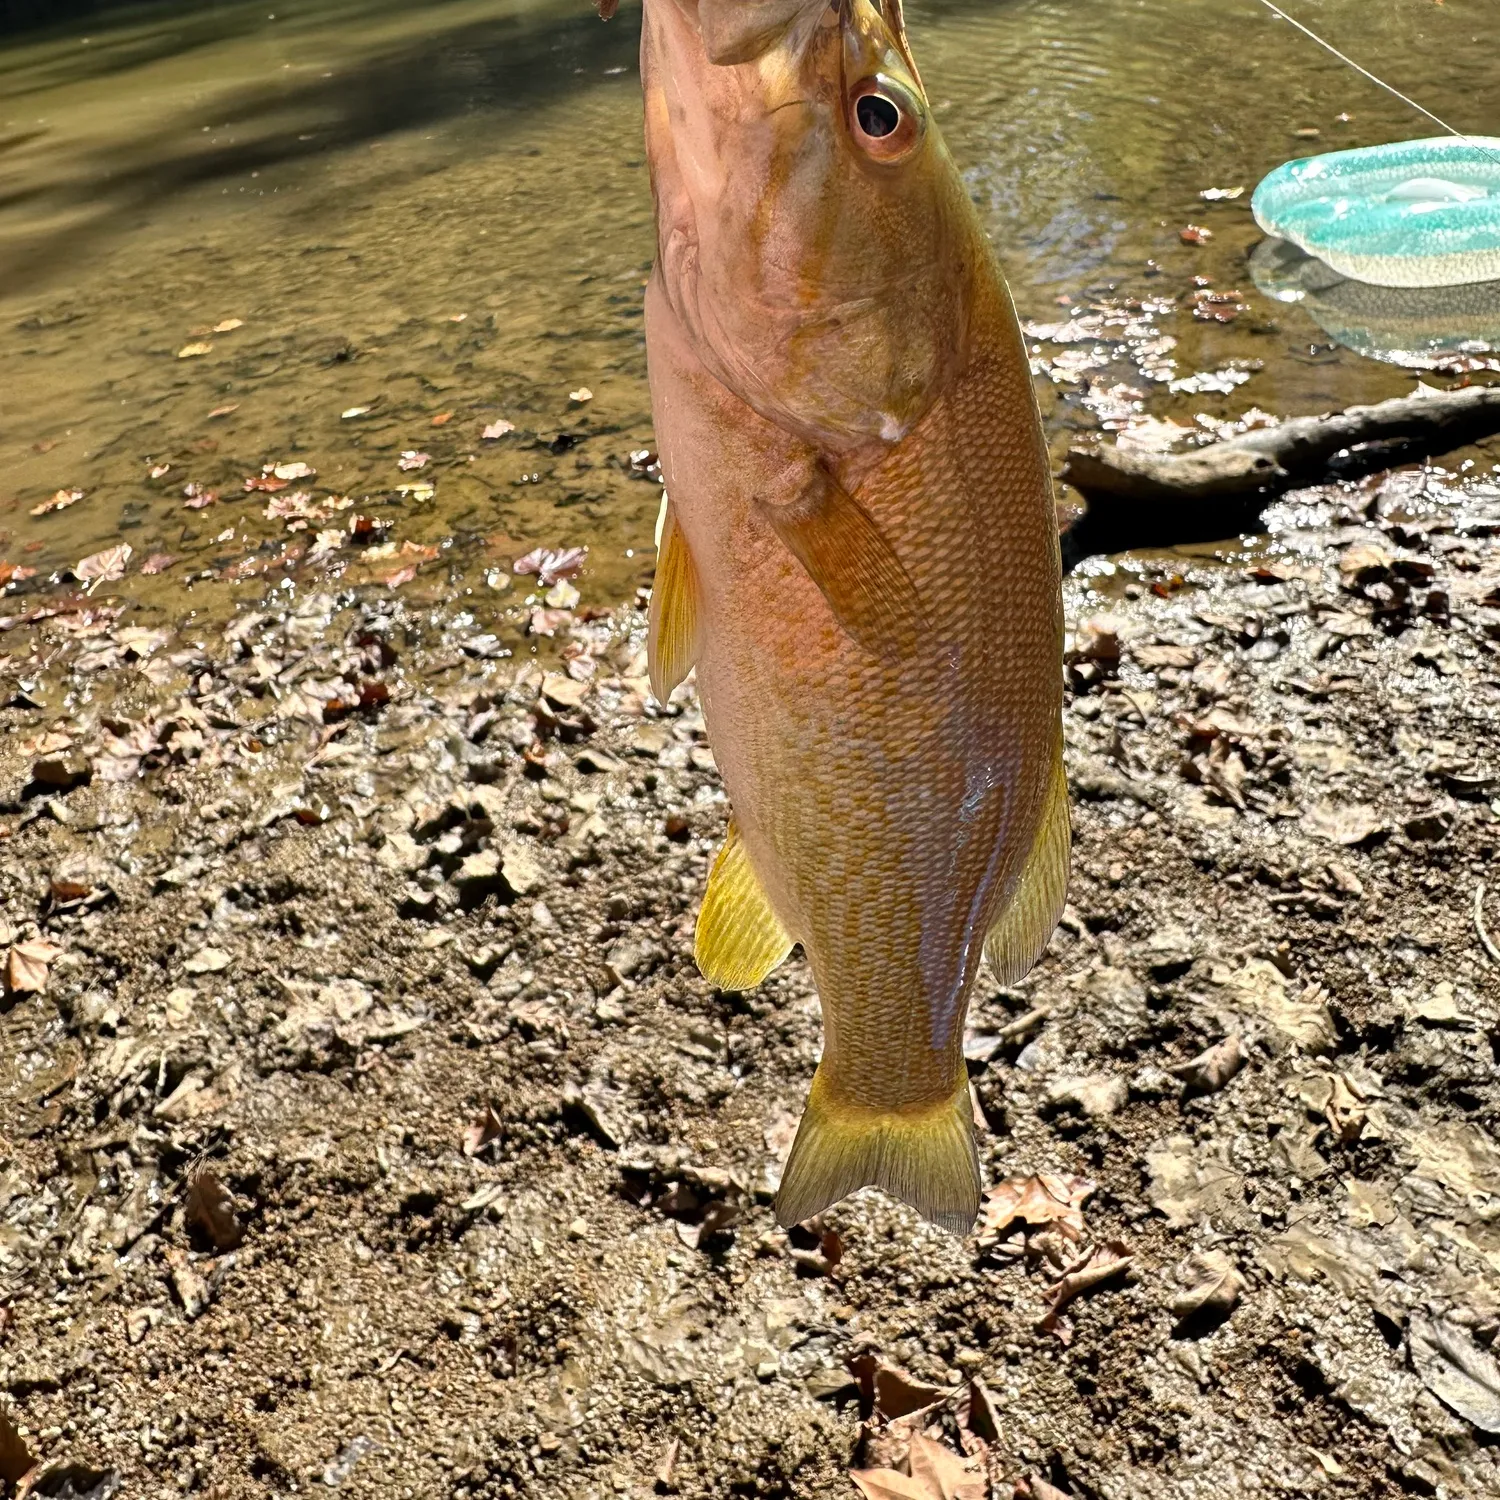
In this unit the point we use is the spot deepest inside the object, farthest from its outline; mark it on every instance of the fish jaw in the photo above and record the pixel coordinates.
(825, 287)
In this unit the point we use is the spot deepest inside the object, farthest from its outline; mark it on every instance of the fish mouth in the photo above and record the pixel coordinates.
(744, 31)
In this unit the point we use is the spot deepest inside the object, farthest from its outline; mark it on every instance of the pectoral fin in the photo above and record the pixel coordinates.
(672, 634)
(1020, 935)
(871, 595)
(739, 938)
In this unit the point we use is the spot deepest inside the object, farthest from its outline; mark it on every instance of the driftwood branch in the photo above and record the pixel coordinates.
(1298, 451)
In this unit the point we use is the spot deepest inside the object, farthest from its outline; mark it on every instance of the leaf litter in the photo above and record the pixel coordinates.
(1273, 1005)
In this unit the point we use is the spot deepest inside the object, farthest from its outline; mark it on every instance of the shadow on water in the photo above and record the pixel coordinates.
(502, 64)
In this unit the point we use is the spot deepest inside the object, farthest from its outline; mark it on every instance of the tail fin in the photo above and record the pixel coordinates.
(925, 1158)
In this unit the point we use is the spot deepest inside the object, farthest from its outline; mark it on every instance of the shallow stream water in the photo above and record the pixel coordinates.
(437, 216)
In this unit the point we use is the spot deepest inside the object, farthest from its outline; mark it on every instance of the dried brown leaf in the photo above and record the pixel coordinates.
(943, 1474)
(889, 1390)
(29, 965)
(478, 1135)
(15, 1458)
(885, 1484)
(1035, 1202)
(1103, 1263)
(1216, 1286)
(1211, 1070)
(211, 1207)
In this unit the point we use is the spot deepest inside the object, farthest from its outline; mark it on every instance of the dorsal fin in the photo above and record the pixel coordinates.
(739, 938)
(672, 633)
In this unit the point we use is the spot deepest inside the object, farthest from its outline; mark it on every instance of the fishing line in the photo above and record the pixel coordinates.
(1344, 58)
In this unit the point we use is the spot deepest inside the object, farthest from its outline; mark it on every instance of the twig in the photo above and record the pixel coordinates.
(1491, 952)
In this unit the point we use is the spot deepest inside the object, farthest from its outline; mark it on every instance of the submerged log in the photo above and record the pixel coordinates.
(1297, 451)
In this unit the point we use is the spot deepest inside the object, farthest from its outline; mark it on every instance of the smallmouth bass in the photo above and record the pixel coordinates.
(859, 555)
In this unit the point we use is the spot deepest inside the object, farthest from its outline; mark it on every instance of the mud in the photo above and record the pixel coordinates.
(389, 931)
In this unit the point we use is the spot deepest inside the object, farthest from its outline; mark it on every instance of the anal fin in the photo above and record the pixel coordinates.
(739, 938)
(925, 1157)
(845, 553)
(1022, 930)
(672, 633)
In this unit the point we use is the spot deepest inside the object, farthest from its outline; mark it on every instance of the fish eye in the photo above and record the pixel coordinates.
(887, 119)
(878, 116)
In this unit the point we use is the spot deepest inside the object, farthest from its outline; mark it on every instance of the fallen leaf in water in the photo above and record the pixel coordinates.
(223, 411)
(325, 542)
(298, 505)
(16, 572)
(105, 566)
(195, 350)
(228, 325)
(1195, 234)
(354, 411)
(443, 418)
(607, 9)
(198, 497)
(422, 491)
(1036, 1202)
(411, 460)
(497, 430)
(1261, 987)
(1103, 1263)
(400, 576)
(547, 621)
(211, 1208)
(549, 566)
(1220, 195)
(582, 394)
(419, 550)
(292, 471)
(158, 471)
(60, 501)
(26, 971)
(264, 484)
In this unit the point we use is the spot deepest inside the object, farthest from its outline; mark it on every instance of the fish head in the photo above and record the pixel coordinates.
(815, 239)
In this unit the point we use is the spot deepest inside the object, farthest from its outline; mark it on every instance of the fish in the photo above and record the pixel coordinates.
(859, 557)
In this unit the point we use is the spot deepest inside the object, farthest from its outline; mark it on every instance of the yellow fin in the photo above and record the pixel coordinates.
(1021, 934)
(672, 635)
(871, 595)
(739, 938)
(923, 1157)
